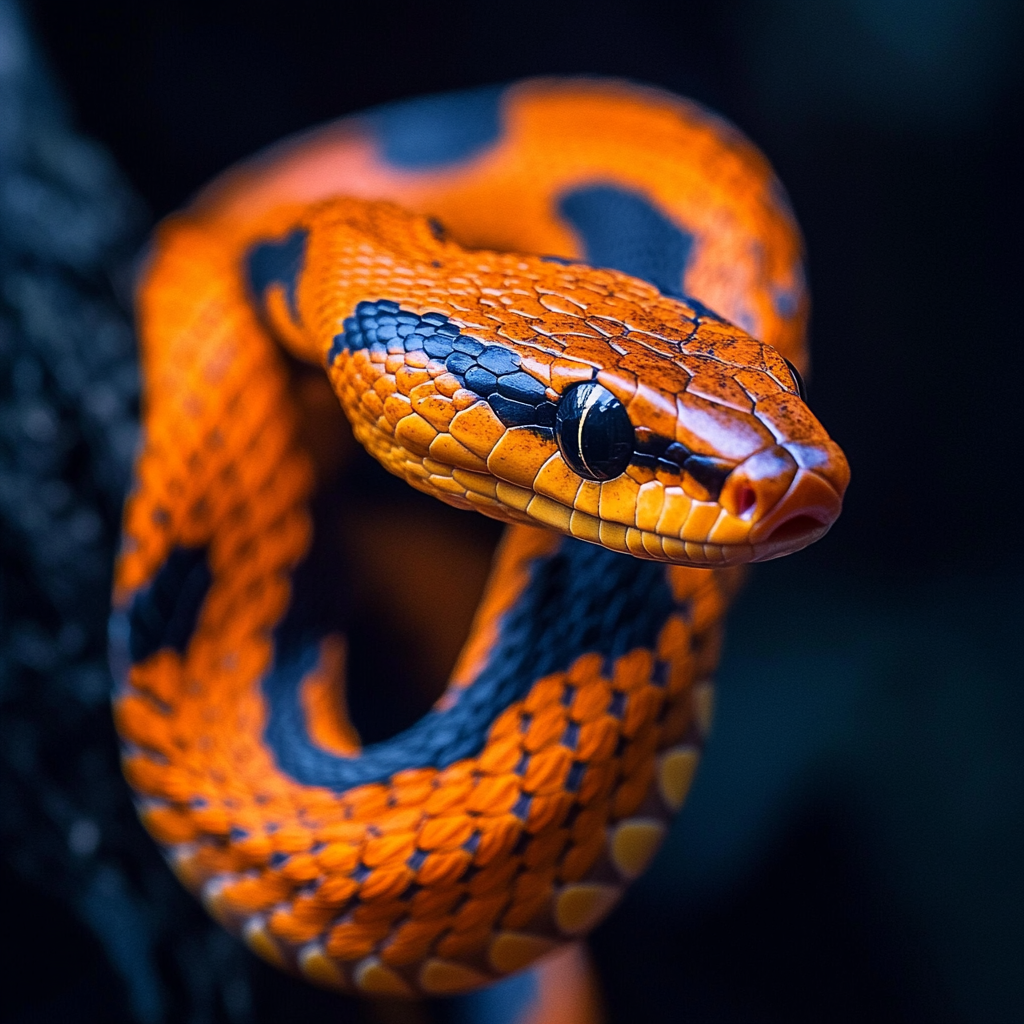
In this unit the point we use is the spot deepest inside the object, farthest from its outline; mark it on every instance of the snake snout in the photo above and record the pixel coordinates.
(791, 494)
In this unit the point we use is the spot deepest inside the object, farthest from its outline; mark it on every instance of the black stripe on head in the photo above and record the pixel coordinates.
(656, 452)
(491, 371)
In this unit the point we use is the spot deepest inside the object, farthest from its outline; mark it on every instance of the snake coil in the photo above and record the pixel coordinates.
(539, 358)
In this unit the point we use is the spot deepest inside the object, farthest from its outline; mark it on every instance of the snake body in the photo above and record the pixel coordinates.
(496, 284)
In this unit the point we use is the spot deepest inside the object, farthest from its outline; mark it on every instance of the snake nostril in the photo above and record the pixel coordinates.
(746, 499)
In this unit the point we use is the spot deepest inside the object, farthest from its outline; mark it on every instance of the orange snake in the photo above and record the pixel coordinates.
(496, 283)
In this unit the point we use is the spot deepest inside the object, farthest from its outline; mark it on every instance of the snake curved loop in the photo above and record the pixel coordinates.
(540, 359)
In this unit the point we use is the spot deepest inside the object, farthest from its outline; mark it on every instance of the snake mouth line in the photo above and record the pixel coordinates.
(789, 527)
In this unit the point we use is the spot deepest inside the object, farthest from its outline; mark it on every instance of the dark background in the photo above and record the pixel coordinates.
(853, 848)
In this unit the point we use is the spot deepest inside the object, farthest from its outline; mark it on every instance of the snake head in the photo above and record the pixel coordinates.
(587, 401)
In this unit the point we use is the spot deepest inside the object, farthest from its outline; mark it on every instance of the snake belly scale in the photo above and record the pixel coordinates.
(497, 285)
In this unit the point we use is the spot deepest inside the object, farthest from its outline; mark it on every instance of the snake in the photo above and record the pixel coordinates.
(576, 306)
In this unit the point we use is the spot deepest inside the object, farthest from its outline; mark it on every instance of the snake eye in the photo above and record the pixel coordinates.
(800, 386)
(593, 431)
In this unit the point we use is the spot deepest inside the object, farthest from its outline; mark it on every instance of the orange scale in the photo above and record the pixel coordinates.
(285, 925)
(506, 724)
(413, 786)
(251, 894)
(337, 889)
(501, 756)
(639, 750)
(631, 794)
(398, 820)
(591, 819)
(301, 867)
(436, 901)
(212, 820)
(388, 850)
(494, 794)
(545, 850)
(159, 676)
(368, 802)
(448, 797)
(547, 770)
(597, 739)
(456, 774)
(585, 669)
(633, 670)
(446, 833)
(598, 782)
(590, 701)
(144, 774)
(443, 867)
(495, 876)
(351, 832)
(318, 800)
(526, 909)
(544, 692)
(339, 858)
(548, 810)
(546, 727)
(169, 825)
(642, 709)
(140, 723)
(581, 858)
(412, 941)
(386, 883)
(481, 912)
(351, 941)
(380, 912)
(498, 837)
(458, 945)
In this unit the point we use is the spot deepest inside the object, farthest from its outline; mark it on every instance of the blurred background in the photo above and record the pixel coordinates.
(853, 847)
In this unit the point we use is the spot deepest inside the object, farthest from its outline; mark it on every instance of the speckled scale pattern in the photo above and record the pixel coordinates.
(448, 352)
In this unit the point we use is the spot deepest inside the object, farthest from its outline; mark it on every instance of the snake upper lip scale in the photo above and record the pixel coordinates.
(576, 306)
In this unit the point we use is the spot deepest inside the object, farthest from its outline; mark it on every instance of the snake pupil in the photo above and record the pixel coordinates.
(594, 432)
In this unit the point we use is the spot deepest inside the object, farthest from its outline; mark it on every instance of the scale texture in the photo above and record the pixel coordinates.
(463, 269)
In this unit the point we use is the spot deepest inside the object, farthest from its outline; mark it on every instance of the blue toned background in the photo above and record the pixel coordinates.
(853, 848)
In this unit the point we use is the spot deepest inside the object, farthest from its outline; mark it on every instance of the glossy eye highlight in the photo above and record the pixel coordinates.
(594, 433)
(800, 386)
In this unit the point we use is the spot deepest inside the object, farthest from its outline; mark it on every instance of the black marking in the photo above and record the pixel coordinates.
(624, 230)
(571, 736)
(659, 674)
(491, 371)
(574, 779)
(709, 472)
(568, 693)
(277, 859)
(617, 704)
(523, 764)
(580, 599)
(416, 859)
(360, 873)
(438, 131)
(269, 263)
(164, 613)
(521, 808)
(520, 387)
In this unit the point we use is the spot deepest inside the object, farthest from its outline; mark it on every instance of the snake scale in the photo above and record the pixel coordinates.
(539, 302)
